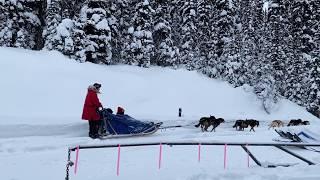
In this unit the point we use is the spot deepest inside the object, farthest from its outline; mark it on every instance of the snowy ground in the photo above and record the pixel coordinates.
(41, 100)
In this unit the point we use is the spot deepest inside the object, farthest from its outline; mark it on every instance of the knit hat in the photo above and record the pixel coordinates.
(120, 110)
(97, 85)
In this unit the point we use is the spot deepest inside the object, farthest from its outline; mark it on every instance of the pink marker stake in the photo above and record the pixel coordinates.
(199, 152)
(160, 155)
(77, 159)
(225, 156)
(248, 160)
(118, 162)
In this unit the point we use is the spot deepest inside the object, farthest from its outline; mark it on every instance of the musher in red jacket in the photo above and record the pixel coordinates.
(90, 110)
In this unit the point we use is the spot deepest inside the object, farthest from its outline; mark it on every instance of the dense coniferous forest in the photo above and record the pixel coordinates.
(273, 46)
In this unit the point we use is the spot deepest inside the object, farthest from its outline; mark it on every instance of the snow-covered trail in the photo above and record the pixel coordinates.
(79, 129)
(76, 133)
(25, 130)
(44, 147)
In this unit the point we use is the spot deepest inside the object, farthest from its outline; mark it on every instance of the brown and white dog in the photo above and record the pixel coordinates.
(276, 124)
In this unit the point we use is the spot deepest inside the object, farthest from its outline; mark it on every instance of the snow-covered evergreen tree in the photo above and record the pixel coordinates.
(53, 19)
(62, 39)
(11, 12)
(188, 45)
(124, 37)
(312, 91)
(302, 45)
(97, 33)
(7, 10)
(114, 14)
(22, 27)
(250, 27)
(232, 48)
(212, 46)
(35, 18)
(165, 51)
(227, 58)
(79, 38)
(21, 39)
(265, 89)
(265, 85)
(140, 49)
(313, 100)
(3, 18)
(270, 45)
(277, 31)
(205, 43)
(70, 8)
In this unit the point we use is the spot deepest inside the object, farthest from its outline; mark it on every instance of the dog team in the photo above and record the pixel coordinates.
(206, 122)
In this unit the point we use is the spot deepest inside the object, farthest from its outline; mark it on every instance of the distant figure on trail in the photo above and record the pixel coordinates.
(90, 110)
(120, 111)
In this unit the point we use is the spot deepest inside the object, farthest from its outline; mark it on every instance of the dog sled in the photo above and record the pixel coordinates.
(303, 136)
(123, 125)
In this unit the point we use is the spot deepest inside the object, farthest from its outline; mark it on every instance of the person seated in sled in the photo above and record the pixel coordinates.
(121, 123)
(120, 111)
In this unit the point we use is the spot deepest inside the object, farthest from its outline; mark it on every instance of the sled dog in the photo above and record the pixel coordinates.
(276, 124)
(206, 122)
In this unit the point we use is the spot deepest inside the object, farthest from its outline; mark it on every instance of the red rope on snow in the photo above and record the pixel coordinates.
(77, 159)
(199, 152)
(225, 157)
(160, 155)
(118, 161)
(248, 157)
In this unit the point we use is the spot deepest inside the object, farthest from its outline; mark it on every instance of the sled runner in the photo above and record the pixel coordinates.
(281, 133)
(123, 125)
(302, 137)
(274, 165)
(111, 136)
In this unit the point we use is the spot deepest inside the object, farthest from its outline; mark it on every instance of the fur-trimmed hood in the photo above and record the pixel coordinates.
(93, 88)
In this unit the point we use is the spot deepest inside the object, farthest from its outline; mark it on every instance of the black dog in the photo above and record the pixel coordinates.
(216, 123)
(295, 122)
(206, 122)
(305, 123)
(240, 125)
(252, 123)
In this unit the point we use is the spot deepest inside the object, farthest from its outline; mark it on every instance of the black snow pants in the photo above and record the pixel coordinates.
(94, 128)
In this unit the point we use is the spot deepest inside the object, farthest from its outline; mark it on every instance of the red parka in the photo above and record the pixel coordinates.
(91, 105)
